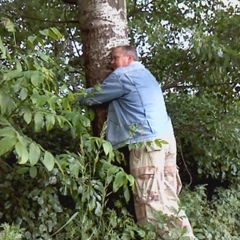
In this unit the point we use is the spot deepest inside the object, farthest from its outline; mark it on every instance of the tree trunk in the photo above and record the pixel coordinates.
(103, 25)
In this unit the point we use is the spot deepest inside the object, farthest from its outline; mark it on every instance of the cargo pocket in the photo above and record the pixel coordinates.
(143, 166)
(152, 146)
(155, 154)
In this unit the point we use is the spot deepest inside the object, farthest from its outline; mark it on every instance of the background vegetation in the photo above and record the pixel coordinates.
(56, 178)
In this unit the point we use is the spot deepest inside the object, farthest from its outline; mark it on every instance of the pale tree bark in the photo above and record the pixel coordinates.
(103, 25)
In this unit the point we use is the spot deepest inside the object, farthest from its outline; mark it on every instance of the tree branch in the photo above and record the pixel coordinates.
(49, 21)
(177, 84)
(17, 13)
(70, 2)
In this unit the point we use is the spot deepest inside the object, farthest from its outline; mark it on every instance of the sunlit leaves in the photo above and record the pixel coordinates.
(27, 116)
(34, 153)
(120, 180)
(7, 131)
(49, 121)
(9, 75)
(22, 152)
(48, 161)
(8, 138)
(6, 103)
(51, 32)
(23, 93)
(6, 144)
(26, 150)
(31, 38)
(8, 24)
(36, 78)
(52, 101)
(38, 120)
(107, 147)
(4, 51)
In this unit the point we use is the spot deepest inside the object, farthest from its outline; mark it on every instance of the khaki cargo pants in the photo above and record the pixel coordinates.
(157, 182)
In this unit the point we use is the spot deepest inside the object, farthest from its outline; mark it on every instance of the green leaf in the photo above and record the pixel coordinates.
(69, 220)
(160, 142)
(27, 62)
(31, 39)
(35, 78)
(119, 181)
(111, 169)
(74, 169)
(16, 86)
(23, 93)
(50, 121)
(7, 144)
(52, 35)
(130, 179)
(62, 120)
(7, 132)
(107, 147)
(12, 74)
(44, 32)
(126, 193)
(98, 209)
(56, 32)
(8, 24)
(18, 65)
(48, 161)
(6, 103)
(38, 120)
(34, 153)
(22, 152)
(41, 100)
(22, 169)
(33, 171)
(4, 51)
(66, 104)
(44, 57)
(52, 102)
(4, 121)
(27, 116)
(92, 203)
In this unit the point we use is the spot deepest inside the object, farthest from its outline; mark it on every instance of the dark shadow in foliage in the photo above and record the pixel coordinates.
(190, 176)
(113, 197)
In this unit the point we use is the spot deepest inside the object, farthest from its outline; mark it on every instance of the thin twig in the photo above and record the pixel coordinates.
(185, 164)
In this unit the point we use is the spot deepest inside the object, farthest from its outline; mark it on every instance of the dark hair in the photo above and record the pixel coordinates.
(129, 49)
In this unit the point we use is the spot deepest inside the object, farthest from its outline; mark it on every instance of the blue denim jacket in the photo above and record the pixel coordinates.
(136, 109)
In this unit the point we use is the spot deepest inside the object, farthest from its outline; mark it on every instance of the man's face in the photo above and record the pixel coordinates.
(120, 59)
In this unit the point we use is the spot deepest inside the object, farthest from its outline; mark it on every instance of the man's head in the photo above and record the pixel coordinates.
(122, 56)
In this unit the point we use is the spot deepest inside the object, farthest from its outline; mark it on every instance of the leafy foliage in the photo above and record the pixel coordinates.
(49, 172)
(56, 178)
(10, 232)
(215, 219)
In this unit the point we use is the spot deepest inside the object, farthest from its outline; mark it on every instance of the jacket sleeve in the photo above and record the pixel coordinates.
(110, 89)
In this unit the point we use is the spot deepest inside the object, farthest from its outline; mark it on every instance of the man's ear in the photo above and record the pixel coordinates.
(130, 58)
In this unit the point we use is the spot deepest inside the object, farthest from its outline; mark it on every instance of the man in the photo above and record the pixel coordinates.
(137, 117)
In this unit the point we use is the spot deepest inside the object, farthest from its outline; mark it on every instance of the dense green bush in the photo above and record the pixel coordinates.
(216, 218)
(8, 232)
(51, 167)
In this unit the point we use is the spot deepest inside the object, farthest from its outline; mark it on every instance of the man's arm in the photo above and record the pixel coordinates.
(111, 88)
